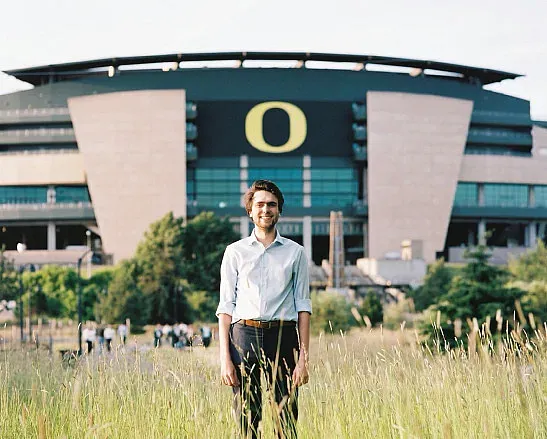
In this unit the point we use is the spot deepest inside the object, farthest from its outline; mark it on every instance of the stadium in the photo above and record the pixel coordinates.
(410, 151)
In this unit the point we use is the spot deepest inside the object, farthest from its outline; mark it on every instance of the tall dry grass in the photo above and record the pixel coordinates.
(363, 385)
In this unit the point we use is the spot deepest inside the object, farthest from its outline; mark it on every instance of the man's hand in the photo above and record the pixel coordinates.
(300, 375)
(228, 373)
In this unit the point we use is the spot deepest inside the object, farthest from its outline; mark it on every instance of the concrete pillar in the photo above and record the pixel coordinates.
(307, 236)
(470, 238)
(51, 236)
(480, 188)
(531, 234)
(482, 232)
(541, 230)
(364, 195)
(306, 181)
(244, 226)
(243, 177)
(365, 240)
(51, 195)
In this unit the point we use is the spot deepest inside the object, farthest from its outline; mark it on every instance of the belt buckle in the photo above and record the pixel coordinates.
(269, 325)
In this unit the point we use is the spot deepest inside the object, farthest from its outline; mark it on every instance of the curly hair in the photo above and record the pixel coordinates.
(262, 185)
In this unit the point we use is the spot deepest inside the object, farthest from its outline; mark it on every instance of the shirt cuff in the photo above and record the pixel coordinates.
(226, 308)
(303, 305)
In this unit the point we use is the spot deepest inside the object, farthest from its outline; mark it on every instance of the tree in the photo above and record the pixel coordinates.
(203, 306)
(331, 312)
(371, 307)
(53, 290)
(531, 266)
(8, 279)
(176, 260)
(436, 284)
(93, 289)
(160, 262)
(124, 298)
(479, 291)
(204, 240)
(530, 274)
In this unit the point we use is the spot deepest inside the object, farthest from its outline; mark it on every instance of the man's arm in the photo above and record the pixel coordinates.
(227, 369)
(300, 375)
(303, 307)
(226, 306)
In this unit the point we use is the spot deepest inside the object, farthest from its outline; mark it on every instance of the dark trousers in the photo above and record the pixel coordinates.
(273, 353)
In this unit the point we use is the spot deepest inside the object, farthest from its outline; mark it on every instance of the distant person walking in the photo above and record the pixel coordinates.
(88, 335)
(100, 335)
(122, 333)
(264, 315)
(205, 332)
(189, 335)
(157, 336)
(109, 335)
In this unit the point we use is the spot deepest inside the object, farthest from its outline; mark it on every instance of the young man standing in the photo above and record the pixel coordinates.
(264, 315)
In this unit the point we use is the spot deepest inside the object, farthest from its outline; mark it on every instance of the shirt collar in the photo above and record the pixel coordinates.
(278, 238)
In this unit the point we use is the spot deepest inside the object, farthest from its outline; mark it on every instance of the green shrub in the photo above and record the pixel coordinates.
(371, 306)
(398, 312)
(331, 312)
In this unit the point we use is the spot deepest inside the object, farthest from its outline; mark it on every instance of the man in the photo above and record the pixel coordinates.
(157, 336)
(109, 334)
(206, 334)
(264, 315)
(88, 335)
(122, 332)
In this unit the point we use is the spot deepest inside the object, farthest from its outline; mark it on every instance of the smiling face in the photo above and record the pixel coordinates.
(265, 210)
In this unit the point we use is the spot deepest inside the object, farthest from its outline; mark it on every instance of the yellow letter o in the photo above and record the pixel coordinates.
(254, 129)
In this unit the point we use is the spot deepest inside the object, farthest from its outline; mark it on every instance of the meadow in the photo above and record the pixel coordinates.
(365, 384)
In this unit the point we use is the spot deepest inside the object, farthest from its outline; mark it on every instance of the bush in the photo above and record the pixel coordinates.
(398, 312)
(371, 306)
(331, 313)
(202, 306)
(479, 292)
(436, 284)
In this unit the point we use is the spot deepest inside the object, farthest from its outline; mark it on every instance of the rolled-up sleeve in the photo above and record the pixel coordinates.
(302, 301)
(228, 283)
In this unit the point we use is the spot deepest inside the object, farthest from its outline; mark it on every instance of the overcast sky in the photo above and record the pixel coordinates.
(498, 34)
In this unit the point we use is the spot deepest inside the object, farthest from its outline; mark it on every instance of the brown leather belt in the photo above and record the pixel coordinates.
(266, 325)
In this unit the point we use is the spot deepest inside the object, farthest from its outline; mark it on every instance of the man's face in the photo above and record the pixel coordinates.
(265, 210)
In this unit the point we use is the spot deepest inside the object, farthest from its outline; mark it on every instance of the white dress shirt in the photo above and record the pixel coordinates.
(262, 283)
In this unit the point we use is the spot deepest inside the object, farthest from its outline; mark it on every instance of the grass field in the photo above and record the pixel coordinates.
(367, 384)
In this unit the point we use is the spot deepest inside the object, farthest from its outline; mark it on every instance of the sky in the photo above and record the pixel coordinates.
(497, 34)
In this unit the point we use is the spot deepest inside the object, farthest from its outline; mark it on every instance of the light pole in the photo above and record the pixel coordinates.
(88, 235)
(21, 269)
(80, 259)
(21, 249)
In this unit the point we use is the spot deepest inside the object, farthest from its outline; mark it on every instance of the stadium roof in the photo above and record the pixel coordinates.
(59, 72)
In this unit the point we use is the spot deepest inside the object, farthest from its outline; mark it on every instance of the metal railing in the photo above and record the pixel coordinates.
(37, 132)
(40, 206)
(20, 112)
(39, 151)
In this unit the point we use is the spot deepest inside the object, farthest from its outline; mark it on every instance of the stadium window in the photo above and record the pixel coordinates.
(289, 180)
(23, 194)
(72, 194)
(505, 195)
(337, 187)
(540, 196)
(217, 187)
(467, 195)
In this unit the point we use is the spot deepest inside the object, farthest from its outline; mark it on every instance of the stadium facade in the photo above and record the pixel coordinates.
(422, 153)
